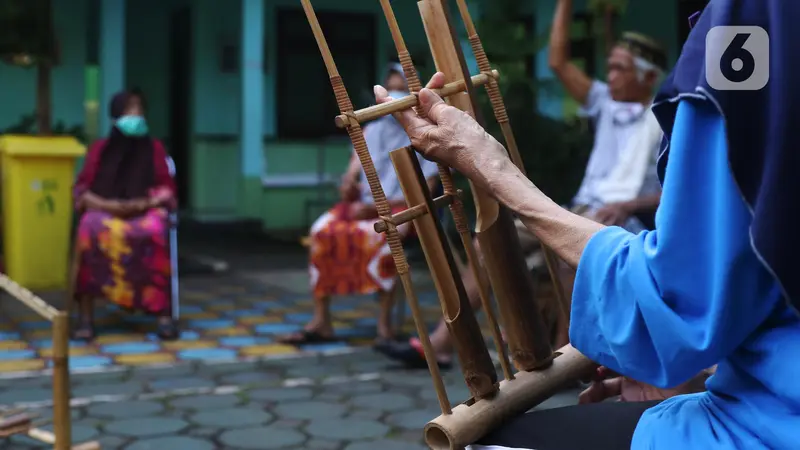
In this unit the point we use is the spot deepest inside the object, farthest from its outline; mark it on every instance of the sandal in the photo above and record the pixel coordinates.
(306, 337)
(168, 330)
(410, 354)
(84, 332)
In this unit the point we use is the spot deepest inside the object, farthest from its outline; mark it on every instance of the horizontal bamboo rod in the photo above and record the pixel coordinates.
(28, 298)
(49, 438)
(409, 101)
(471, 421)
(414, 212)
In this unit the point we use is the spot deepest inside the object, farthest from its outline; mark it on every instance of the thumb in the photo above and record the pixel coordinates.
(432, 104)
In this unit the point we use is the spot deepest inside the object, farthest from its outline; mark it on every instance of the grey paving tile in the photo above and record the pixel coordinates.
(310, 410)
(231, 418)
(170, 384)
(172, 443)
(279, 394)
(412, 420)
(145, 427)
(25, 395)
(385, 444)
(124, 410)
(202, 402)
(385, 401)
(97, 389)
(262, 438)
(346, 429)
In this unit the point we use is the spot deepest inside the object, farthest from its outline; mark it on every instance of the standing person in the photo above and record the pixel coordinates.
(620, 186)
(347, 255)
(123, 194)
(715, 281)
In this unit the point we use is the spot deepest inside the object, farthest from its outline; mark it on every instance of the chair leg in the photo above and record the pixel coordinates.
(173, 256)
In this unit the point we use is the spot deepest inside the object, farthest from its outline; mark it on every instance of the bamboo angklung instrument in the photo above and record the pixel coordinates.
(543, 371)
(501, 115)
(526, 334)
(456, 206)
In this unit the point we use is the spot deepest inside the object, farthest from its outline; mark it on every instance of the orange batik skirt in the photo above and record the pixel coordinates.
(349, 257)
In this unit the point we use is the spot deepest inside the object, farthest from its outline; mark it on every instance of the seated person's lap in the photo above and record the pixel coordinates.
(599, 426)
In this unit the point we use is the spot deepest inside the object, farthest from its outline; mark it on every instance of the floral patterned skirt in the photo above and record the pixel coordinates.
(125, 260)
(349, 257)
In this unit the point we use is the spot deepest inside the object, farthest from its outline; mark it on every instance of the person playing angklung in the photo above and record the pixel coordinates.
(713, 284)
(620, 185)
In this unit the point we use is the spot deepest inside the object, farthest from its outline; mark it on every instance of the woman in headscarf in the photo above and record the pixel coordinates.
(347, 255)
(122, 196)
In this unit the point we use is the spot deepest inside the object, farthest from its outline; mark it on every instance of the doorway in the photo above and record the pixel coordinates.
(180, 102)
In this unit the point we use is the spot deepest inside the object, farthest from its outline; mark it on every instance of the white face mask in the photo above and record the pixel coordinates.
(398, 94)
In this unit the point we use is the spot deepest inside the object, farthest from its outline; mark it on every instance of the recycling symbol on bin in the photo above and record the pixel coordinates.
(46, 204)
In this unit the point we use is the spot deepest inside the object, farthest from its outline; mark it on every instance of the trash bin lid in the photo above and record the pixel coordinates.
(30, 145)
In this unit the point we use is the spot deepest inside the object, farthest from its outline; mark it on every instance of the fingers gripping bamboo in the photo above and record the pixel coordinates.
(499, 108)
(382, 205)
(448, 186)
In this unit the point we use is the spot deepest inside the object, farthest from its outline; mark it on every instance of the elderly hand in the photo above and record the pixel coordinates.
(449, 135)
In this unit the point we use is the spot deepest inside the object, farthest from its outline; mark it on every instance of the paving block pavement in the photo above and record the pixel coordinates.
(347, 401)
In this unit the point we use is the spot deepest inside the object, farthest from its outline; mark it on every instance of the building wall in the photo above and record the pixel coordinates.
(290, 173)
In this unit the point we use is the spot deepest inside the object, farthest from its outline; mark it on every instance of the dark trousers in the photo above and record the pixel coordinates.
(598, 426)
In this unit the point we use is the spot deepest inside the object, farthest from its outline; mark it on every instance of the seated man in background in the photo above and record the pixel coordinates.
(620, 184)
(347, 255)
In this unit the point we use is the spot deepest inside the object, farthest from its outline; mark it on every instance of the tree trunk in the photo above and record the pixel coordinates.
(43, 97)
(44, 73)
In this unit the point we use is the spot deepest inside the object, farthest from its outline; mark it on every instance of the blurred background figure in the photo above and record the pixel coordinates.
(122, 197)
(347, 255)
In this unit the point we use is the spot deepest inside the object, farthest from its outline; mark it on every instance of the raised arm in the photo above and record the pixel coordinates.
(575, 81)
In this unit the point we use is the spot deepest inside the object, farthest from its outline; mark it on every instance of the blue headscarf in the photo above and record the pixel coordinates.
(763, 136)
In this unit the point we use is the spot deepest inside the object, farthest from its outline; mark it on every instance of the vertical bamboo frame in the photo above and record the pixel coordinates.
(61, 437)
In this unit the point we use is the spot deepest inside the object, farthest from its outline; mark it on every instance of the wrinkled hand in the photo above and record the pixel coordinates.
(608, 384)
(449, 135)
(613, 214)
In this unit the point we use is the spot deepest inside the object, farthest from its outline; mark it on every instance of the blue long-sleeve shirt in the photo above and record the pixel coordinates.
(660, 306)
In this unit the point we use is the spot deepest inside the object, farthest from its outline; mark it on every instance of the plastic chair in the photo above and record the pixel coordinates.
(173, 250)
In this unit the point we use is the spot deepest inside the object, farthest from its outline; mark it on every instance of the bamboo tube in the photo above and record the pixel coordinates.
(28, 298)
(476, 364)
(512, 283)
(49, 438)
(456, 206)
(15, 421)
(381, 204)
(472, 421)
(61, 396)
(410, 101)
(500, 113)
(407, 215)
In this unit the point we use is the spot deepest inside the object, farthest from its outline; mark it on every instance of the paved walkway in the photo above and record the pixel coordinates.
(224, 317)
(353, 401)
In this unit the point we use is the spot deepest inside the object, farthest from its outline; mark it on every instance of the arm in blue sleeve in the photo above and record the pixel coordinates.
(660, 306)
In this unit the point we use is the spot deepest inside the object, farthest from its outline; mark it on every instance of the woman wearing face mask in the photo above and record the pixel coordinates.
(347, 256)
(122, 196)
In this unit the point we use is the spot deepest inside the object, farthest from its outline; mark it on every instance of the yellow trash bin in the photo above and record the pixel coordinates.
(37, 179)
